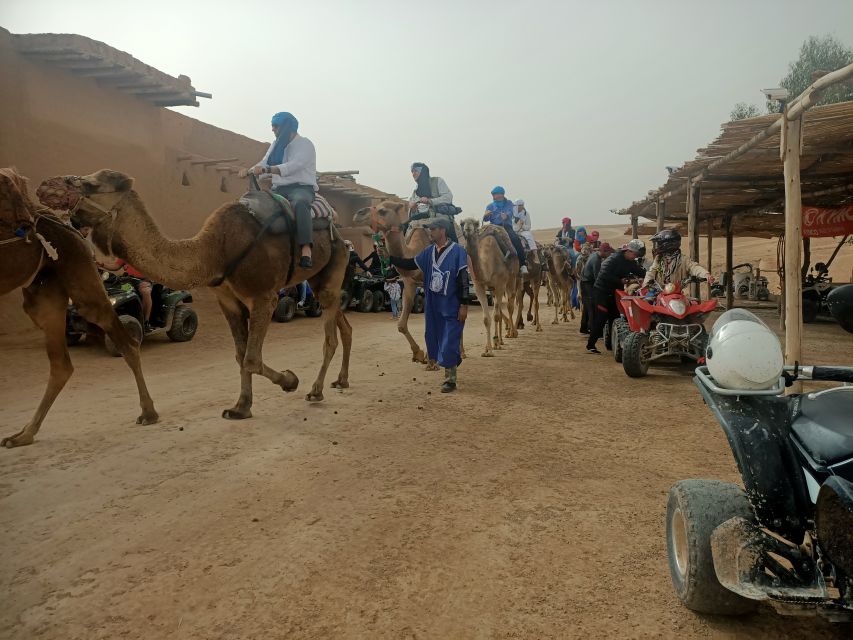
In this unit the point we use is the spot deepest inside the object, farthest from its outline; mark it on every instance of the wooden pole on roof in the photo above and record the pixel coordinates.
(693, 229)
(661, 213)
(710, 250)
(791, 145)
(730, 298)
(634, 228)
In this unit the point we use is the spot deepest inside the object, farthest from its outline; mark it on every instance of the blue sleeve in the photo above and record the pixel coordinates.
(462, 258)
(422, 259)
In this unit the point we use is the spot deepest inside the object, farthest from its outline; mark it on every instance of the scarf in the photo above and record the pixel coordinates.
(424, 189)
(288, 125)
(668, 264)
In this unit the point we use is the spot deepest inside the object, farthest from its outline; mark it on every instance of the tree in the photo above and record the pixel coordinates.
(742, 111)
(817, 56)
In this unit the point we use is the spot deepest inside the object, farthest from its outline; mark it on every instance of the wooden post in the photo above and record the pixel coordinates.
(693, 229)
(791, 145)
(710, 251)
(634, 230)
(729, 261)
(661, 213)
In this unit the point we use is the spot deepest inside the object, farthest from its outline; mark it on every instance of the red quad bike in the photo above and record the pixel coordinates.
(659, 323)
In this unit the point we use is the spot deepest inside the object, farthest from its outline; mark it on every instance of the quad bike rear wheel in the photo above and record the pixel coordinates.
(284, 310)
(619, 331)
(184, 324)
(314, 310)
(132, 326)
(635, 358)
(378, 301)
(366, 302)
(695, 508)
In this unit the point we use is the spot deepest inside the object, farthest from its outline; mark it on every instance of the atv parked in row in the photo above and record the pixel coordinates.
(171, 313)
(366, 292)
(288, 304)
(786, 538)
(659, 323)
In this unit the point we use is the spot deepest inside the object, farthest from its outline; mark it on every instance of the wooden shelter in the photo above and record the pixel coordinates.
(754, 169)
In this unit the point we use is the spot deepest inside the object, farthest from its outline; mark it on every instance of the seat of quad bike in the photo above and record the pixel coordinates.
(824, 426)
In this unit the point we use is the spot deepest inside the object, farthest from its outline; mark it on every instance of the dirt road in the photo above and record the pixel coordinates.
(530, 504)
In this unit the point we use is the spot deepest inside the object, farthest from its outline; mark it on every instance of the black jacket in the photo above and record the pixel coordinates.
(615, 268)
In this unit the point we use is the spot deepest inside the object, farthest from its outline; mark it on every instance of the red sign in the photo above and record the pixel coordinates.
(824, 223)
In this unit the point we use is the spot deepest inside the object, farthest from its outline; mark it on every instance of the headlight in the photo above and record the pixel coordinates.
(678, 306)
(669, 288)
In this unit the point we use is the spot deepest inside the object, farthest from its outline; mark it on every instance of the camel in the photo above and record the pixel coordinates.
(388, 218)
(493, 268)
(51, 262)
(531, 282)
(562, 281)
(246, 269)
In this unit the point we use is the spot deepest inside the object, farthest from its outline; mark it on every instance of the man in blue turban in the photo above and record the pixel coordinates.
(292, 162)
(500, 212)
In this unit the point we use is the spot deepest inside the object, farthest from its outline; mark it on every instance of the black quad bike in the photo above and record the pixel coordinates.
(366, 292)
(839, 301)
(787, 539)
(288, 305)
(171, 313)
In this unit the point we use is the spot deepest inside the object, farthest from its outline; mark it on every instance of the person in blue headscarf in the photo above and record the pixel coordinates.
(500, 212)
(292, 162)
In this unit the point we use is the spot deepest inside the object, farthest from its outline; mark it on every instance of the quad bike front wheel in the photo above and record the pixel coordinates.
(132, 326)
(284, 310)
(695, 508)
(619, 331)
(378, 301)
(608, 335)
(635, 356)
(366, 303)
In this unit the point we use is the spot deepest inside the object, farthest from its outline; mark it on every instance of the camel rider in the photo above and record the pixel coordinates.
(566, 234)
(431, 197)
(580, 239)
(669, 264)
(448, 291)
(594, 239)
(521, 225)
(292, 161)
(500, 212)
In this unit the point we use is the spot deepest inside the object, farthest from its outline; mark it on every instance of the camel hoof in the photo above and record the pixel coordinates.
(488, 354)
(340, 384)
(17, 440)
(148, 419)
(432, 366)
(538, 328)
(236, 414)
(314, 397)
(290, 381)
(530, 317)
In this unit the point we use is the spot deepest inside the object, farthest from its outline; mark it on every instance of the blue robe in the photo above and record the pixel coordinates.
(441, 309)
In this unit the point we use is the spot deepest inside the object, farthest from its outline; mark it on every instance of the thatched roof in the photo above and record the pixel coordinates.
(753, 182)
(110, 67)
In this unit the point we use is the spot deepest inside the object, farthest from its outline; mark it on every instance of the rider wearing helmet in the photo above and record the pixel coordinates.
(500, 212)
(669, 264)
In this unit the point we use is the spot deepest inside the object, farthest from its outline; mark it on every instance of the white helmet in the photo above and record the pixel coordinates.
(743, 353)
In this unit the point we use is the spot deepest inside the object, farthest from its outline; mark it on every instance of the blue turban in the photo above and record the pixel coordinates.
(287, 125)
(498, 190)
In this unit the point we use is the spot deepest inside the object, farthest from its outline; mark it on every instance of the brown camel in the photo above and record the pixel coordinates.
(388, 218)
(52, 263)
(246, 289)
(562, 280)
(493, 268)
(531, 282)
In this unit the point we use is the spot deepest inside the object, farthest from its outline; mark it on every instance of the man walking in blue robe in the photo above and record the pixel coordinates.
(448, 292)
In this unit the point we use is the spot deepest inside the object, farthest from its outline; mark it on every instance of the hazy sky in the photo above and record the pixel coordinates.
(575, 106)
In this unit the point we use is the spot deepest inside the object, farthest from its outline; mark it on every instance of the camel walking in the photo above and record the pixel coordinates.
(51, 262)
(388, 218)
(562, 281)
(245, 267)
(531, 282)
(495, 268)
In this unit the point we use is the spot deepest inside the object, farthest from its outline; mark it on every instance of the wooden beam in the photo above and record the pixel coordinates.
(219, 161)
(661, 213)
(710, 249)
(693, 196)
(634, 234)
(790, 149)
(729, 262)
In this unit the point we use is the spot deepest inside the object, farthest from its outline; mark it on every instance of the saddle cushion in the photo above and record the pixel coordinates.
(263, 205)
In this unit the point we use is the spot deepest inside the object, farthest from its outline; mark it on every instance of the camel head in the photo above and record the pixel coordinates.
(92, 198)
(470, 228)
(388, 214)
(16, 208)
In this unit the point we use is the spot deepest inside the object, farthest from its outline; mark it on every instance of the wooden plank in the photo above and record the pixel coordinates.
(729, 261)
(661, 213)
(710, 249)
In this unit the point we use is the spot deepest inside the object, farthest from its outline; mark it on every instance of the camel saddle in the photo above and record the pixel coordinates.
(501, 237)
(265, 206)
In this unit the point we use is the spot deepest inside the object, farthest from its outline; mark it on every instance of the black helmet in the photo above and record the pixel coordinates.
(666, 241)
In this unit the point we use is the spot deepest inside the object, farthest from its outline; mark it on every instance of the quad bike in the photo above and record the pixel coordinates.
(747, 285)
(839, 301)
(787, 537)
(288, 304)
(659, 323)
(171, 313)
(816, 288)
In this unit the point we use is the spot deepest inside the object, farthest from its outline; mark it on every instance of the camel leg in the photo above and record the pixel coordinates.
(46, 304)
(532, 290)
(260, 316)
(519, 323)
(535, 305)
(554, 290)
(409, 291)
(571, 308)
(330, 344)
(346, 338)
(499, 317)
(98, 311)
(487, 318)
(237, 317)
(512, 292)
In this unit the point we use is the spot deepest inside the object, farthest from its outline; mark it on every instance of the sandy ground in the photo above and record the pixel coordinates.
(530, 504)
